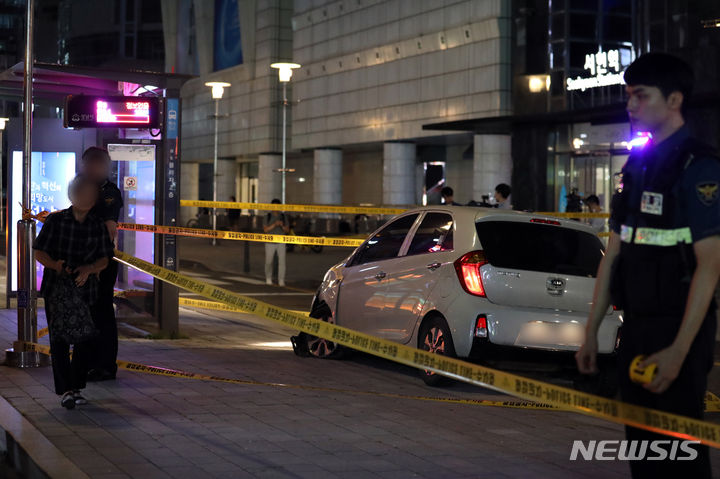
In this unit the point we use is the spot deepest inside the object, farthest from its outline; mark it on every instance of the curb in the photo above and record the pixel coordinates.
(30, 452)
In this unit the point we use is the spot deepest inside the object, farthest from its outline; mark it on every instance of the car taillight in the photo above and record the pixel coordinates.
(545, 221)
(481, 330)
(468, 271)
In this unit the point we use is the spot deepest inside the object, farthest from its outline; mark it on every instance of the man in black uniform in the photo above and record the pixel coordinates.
(663, 259)
(95, 164)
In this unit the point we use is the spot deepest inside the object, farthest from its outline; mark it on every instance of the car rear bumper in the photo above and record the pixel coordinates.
(527, 328)
(549, 330)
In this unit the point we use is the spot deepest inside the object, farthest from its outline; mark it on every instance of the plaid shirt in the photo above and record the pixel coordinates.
(78, 244)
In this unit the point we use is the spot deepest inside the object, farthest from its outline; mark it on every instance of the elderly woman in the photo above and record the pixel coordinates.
(74, 247)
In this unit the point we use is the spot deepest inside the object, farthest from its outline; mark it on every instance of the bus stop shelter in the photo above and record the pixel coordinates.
(51, 85)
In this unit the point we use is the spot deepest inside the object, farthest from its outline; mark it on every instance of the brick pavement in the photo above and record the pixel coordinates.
(144, 426)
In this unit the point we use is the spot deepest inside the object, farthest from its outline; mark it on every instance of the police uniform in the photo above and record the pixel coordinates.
(668, 200)
(105, 351)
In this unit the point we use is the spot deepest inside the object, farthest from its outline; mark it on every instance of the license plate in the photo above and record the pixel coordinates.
(543, 333)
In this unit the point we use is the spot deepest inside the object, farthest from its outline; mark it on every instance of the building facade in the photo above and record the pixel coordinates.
(397, 98)
(119, 34)
(569, 128)
(373, 73)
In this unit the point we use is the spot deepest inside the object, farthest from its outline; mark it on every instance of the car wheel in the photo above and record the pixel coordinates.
(320, 347)
(435, 337)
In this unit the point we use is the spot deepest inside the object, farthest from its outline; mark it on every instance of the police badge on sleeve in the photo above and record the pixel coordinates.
(651, 203)
(707, 192)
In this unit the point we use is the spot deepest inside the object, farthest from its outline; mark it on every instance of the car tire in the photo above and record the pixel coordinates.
(436, 338)
(319, 347)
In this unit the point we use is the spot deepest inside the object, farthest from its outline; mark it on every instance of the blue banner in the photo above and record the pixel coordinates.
(228, 44)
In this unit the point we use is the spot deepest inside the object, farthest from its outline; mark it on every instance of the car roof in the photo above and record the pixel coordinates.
(475, 213)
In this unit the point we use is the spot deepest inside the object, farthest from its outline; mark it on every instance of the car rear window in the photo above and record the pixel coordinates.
(539, 247)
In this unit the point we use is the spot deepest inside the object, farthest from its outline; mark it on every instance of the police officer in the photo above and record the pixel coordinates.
(663, 259)
(95, 164)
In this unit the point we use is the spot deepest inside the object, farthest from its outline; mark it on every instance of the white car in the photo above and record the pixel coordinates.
(475, 283)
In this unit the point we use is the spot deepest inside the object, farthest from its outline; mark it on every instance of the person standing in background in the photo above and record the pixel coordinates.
(276, 223)
(502, 196)
(95, 164)
(593, 204)
(447, 194)
(233, 215)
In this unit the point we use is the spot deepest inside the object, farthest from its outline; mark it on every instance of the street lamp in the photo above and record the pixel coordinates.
(3, 121)
(217, 90)
(284, 75)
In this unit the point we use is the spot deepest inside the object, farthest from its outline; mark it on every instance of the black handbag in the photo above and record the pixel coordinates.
(68, 312)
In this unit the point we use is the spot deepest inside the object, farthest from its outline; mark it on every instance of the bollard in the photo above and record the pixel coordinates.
(17, 356)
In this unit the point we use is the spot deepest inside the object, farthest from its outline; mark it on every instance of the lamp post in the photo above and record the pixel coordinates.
(217, 90)
(19, 355)
(284, 75)
(3, 122)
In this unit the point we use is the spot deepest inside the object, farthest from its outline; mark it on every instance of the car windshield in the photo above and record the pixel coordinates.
(539, 247)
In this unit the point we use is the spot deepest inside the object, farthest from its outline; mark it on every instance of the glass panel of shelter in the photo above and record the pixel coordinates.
(134, 174)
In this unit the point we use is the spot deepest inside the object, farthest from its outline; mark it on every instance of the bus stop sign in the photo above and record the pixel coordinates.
(84, 111)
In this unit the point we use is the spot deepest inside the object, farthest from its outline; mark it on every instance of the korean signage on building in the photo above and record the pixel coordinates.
(605, 68)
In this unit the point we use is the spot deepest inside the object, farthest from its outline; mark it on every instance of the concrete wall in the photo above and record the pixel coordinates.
(458, 173)
(378, 70)
(299, 184)
(362, 177)
(252, 103)
(372, 71)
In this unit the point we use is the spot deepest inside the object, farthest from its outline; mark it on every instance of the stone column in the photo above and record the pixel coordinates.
(227, 172)
(492, 164)
(327, 176)
(399, 173)
(189, 190)
(269, 179)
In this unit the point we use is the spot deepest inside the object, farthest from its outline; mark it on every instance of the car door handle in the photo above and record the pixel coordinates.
(433, 266)
(380, 276)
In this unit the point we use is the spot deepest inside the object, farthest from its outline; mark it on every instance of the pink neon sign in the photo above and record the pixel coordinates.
(122, 112)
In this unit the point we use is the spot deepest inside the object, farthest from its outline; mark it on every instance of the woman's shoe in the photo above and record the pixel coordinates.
(68, 400)
(79, 399)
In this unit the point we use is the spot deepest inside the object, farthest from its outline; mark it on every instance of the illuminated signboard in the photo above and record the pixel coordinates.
(111, 112)
(606, 68)
(50, 173)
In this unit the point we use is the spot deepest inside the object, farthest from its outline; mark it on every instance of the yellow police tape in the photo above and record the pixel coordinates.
(508, 383)
(238, 236)
(363, 210)
(360, 210)
(214, 305)
(712, 402)
(143, 368)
